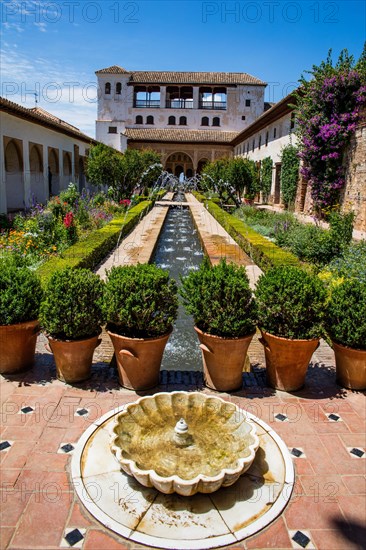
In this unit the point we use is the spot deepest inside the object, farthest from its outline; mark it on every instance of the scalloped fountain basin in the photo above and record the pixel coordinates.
(184, 442)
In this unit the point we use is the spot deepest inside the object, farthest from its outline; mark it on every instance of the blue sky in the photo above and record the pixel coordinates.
(54, 47)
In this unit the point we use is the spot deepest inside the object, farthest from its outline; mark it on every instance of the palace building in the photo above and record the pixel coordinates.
(190, 118)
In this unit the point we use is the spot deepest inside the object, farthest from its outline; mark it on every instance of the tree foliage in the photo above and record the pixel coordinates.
(104, 166)
(328, 109)
(266, 177)
(290, 163)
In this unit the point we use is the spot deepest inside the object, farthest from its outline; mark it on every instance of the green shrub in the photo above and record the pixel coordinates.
(262, 251)
(140, 301)
(72, 305)
(20, 293)
(70, 195)
(346, 314)
(220, 299)
(290, 303)
(351, 264)
(90, 251)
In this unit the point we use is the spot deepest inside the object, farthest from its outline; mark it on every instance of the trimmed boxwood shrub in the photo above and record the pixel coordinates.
(20, 294)
(220, 299)
(72, 305)
(140, 301)
(89, 252)
(262, 251)
(346, 314)
(290, 303)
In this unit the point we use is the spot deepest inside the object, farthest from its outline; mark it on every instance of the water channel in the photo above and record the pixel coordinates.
(179, 250)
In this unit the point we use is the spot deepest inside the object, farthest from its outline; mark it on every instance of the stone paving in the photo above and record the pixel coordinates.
(42, 419)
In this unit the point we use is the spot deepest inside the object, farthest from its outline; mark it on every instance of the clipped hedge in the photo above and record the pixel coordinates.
(262, 251)
(91, 251)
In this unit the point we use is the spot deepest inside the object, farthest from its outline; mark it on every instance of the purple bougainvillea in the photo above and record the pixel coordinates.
(329, 108)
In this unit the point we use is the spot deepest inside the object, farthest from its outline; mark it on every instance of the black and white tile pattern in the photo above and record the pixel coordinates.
(66, 448)
(5, 445)
(73, 538)
(356, 452)
(82, 412)
(301, 539)
(281, 417)
(26, 410)
(297, 452)
(333, 417)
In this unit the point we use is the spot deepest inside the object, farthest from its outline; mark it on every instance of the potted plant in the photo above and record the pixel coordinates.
(290, 312)
(346, 326)
(71, 316)
(140, 307)
(20, 298)
(224, 312)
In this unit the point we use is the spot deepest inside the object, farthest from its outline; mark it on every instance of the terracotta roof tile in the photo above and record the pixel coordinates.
(40, 116)
(181, 77)
(115, 69)
(179, 135)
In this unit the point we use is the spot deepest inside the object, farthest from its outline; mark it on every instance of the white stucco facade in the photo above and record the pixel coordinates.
(36, 159)
(119, 107)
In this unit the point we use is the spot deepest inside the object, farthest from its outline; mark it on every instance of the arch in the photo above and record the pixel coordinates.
(118, 88)
(14, 180)
(189, 173)
(216, 121)
(150, 119)
(36, 172)
(201, 164)
(183, 121)
(139, 120)
(179, 163)
(205, 121)
(107, 88)
(171, 120)
(53, 171)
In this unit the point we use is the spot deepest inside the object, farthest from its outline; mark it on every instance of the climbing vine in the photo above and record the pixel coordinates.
(329, 107)
(266, 177)
(289, 173)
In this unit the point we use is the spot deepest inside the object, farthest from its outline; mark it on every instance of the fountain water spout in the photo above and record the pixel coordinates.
(181, 435)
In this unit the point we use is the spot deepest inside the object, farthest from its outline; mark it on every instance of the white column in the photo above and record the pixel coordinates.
(26, 172)
(45, 172)
(162, 97)
(61, 168)
(3, 205)
(195, 97)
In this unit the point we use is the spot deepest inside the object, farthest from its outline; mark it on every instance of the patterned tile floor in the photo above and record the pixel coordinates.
(323, 425)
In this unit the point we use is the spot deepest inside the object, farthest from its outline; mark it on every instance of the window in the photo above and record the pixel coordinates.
(292, 122)
(118, 88)
(171, 120)
(112, 130)
(204, 121)
(267, 137)
(247, 102)
(146, 96)
(183, 121)
(212, 98)
(179, 97)
(216, 121)
(274, 133)
(243, 117)
(107, 88)
(150, 119)
(259, 142)
(139, 120)
(253, 145)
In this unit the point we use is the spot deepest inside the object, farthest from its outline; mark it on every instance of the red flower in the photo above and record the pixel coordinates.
(68, 220)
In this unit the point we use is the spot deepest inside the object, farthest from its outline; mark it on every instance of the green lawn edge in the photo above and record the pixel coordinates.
(90, 251)
(262, 251)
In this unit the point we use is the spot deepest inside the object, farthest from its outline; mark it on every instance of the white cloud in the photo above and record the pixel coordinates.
(67, 94)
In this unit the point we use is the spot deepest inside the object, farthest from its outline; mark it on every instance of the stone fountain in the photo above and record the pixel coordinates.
(184, 442)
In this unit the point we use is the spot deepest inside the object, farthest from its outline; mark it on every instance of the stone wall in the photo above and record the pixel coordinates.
(354, 195)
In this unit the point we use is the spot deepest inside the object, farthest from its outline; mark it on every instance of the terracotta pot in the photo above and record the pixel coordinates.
(287, 360)
(18, 346)
(138, 360)
(223, 360)
(350, 366)
(73, 358)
